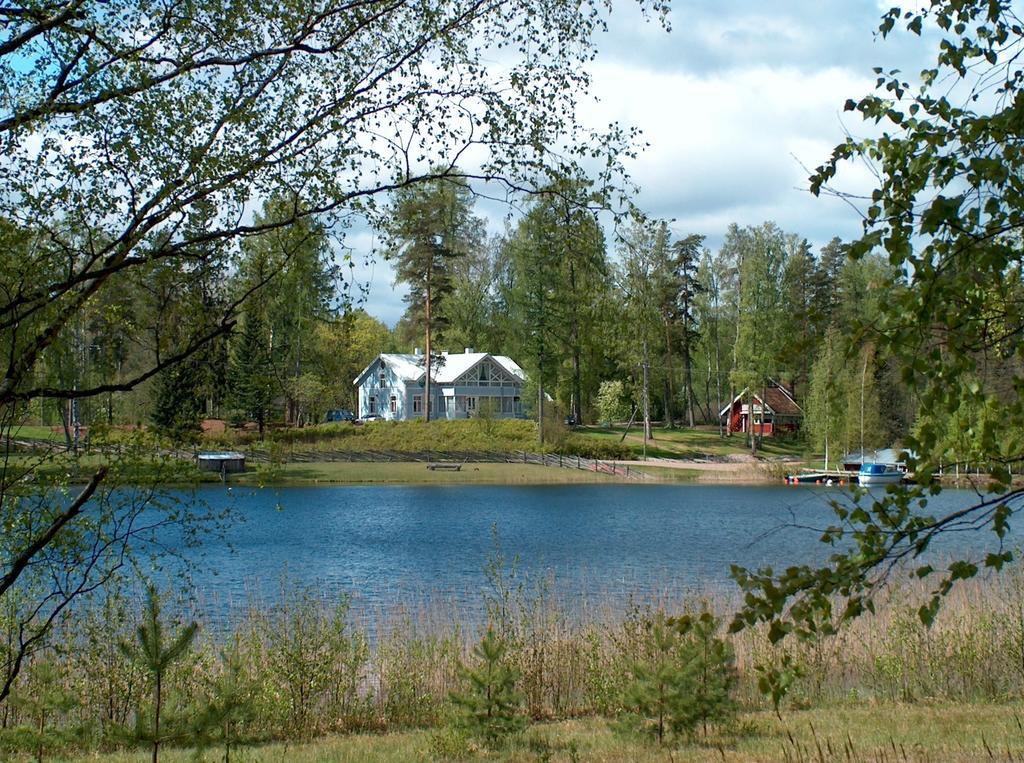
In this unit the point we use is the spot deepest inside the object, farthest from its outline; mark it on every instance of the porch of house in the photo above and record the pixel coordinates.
(767, 424)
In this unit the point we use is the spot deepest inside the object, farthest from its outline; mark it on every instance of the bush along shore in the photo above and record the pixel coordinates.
(529, 680)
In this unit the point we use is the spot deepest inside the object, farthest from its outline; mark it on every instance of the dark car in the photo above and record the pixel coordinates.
(570, 421)
(340, 414)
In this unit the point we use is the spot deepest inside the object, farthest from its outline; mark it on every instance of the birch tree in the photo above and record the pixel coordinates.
(134, 133)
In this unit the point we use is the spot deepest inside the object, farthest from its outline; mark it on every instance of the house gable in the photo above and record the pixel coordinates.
(777, 401)
(486, 372)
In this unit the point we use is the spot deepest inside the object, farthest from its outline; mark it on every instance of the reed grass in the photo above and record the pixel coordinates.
(316, 667)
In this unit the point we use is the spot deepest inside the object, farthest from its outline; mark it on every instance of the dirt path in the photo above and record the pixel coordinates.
(729, 469)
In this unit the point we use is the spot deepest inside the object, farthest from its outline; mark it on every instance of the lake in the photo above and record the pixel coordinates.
(602, 543)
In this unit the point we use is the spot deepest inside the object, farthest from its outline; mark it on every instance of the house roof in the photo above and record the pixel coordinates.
(445, 369)
(781, 403)
(776, 399)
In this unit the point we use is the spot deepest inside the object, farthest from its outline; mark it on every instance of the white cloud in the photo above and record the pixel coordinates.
(732, 146)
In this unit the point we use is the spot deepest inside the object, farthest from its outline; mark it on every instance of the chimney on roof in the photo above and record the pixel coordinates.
(470, 350)
(417, 351)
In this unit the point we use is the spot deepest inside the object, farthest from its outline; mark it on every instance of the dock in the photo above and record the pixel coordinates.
(823, 477)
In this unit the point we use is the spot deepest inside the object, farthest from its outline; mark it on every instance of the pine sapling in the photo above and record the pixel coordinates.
(41, 702)
(492, 708)
(685, 682)
(157, 650)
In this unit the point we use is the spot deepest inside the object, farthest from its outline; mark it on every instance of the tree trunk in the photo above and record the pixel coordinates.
(669, 417)
(576, 407)
(157, 699)
(647, 402)
(426, 382)
(540, 400)
(688, 384)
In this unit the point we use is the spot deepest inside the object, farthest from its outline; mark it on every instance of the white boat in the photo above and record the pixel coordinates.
(879, 474)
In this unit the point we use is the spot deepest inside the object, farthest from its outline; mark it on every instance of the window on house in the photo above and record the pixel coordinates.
(373, 404)
(470, 404)
(417, 403)
(394, 404)
(506, 405)
(383, 379)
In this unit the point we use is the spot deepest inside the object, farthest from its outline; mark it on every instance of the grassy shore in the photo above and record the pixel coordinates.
(704, 442)
(338, 687)
(892, 732)
(390, 473)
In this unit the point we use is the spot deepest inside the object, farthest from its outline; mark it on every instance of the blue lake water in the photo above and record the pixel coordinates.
(389, 545)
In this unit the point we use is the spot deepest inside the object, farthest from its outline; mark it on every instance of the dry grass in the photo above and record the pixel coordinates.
(885, 732)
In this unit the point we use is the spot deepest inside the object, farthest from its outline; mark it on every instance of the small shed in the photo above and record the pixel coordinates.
(223, 462)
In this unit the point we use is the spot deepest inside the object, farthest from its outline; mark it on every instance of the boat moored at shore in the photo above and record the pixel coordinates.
(879, 474)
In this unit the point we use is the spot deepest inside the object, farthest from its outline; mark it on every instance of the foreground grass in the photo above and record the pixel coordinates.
(895, 732)
(378, 473)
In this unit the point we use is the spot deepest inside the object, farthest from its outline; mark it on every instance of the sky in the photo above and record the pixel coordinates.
(738, 102)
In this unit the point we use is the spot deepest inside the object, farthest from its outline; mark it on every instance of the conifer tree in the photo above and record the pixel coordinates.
(685, 682)
(230, 704)
(710, 671)
(178, 405)
(491, 709)
(43, 698)
(253, 383)
(157, 650)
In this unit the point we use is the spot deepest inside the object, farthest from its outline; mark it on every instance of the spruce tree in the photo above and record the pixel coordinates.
(179, 406)
(252, 374)
(492, 708)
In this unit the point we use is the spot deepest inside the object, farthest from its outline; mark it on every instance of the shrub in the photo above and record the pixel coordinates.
(588, 447)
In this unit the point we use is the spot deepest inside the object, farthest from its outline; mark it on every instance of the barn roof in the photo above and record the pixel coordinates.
(777, 401)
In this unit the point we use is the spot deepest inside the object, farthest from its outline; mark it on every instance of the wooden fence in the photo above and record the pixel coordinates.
(434, 456)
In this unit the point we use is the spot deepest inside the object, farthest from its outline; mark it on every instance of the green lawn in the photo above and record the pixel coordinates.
(38, 433)
(920, 732)
(691, 443)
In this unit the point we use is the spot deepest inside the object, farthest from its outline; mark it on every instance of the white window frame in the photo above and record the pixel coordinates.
(373, 404)
(417, 403)
(394, 403)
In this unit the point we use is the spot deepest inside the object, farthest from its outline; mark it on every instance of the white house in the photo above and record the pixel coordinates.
(462, 385)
